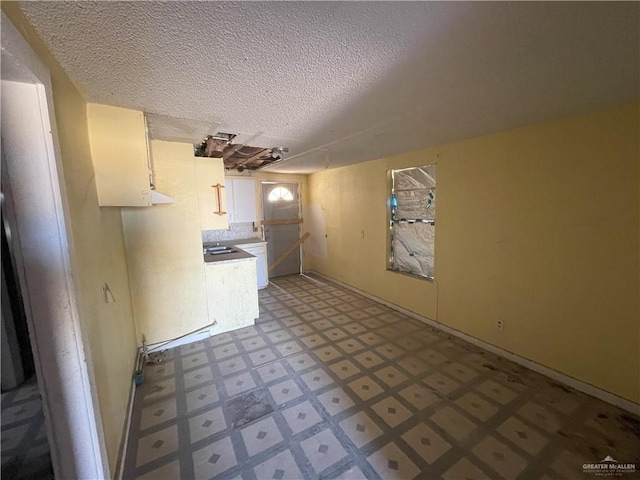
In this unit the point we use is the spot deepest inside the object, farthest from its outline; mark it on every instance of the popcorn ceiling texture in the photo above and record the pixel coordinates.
(345, 82)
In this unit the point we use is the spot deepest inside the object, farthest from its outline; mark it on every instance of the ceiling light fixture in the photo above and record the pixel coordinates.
(278, 152)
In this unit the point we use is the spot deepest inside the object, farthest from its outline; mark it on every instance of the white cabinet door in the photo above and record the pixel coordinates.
(243, 196)
(260, 251)
(231, 211)
(262, 268)
(244, 200)
(119, 153)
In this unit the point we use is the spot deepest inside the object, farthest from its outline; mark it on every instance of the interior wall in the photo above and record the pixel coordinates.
(537, 227)
(264, 176)
(301, 180)
(164, 247)
(164, 251)
(98, 254)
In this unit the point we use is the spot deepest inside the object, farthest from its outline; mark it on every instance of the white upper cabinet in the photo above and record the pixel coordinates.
(120, 155)
(212, 196)
(241, 200)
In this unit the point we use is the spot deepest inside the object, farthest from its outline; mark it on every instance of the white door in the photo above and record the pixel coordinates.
(280, 202)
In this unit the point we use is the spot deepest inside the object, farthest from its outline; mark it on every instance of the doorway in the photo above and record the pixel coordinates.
(17, 358)
(37, 213)
(281, 220)
(25, 446)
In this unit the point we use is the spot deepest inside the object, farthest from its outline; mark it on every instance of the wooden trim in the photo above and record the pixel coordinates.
(288, 251)
(288, 221)
(231, 151)
(252, 157)
(126, 429)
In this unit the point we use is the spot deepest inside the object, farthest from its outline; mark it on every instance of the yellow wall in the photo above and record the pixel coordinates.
(164, 246)
(99, 254)
(164, 250)
(301, 180)
(537, 227)
(259, 176)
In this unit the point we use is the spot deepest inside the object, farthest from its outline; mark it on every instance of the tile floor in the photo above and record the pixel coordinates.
(24, 446)
(361, 391)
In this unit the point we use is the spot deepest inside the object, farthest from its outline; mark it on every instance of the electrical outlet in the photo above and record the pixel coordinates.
(499, 325)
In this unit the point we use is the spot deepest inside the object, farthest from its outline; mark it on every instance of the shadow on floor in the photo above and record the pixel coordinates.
(24, 448)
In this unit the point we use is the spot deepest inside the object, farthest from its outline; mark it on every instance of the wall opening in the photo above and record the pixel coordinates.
(413, 221)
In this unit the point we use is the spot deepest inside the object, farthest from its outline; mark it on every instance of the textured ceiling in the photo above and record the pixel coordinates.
(339, 83)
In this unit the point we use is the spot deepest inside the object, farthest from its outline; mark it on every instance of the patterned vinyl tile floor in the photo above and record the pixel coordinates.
(24, 446)
(361, 391)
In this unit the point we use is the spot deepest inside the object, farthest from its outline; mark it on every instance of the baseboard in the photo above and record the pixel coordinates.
(185, 340)
(125, 434)
(555, 375)
(222, 329)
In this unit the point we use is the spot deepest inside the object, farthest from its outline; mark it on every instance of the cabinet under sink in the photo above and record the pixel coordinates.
(254, 246)
(232, 296)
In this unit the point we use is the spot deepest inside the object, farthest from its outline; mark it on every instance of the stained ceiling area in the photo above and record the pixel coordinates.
(337, 83)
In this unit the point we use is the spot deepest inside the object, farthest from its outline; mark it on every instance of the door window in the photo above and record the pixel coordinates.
(280, 194)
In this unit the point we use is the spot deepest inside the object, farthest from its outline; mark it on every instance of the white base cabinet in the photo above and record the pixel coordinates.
(260, 252)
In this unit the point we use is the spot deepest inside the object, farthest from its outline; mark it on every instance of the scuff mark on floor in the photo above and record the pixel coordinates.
(630, 424)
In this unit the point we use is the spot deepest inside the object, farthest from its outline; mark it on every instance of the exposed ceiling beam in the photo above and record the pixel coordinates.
(253, 157)
(232, 150)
